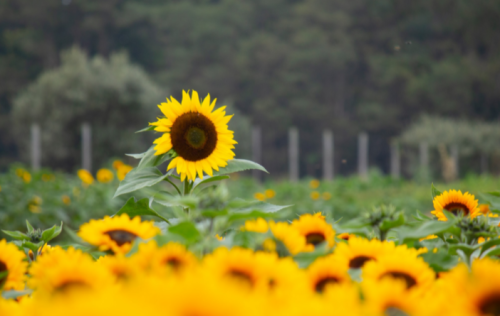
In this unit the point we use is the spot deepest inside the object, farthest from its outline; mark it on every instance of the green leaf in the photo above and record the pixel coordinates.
(253, 209)
(150, 160)
(236, 165)
(208, 179)
(32, 246)
(51, 233)
(488, 244)
(9, 295)
(16, 235)
(389, 224)
(73, 235)
(467, 249)
(414, 232)
(440, 261)
(494, 253)
(434, 192)
(146, 129)
(304, 259)
(30, 228)
(139, 208)
(140, 178)
(188, 201)
(187, 230)
(493, 198)
(136, 156)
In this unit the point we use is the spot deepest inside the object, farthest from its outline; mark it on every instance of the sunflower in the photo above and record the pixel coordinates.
(12, 261)
(315, 230)
(117, 233)
(199, 137)
(239, 265)
(85, 176)
(62, 270)
(121, 267)
(327, 271)
(413, 270)
(104, 175)
(281, 276)
(390, 297)
(290, 237)
(258, 225)
(359, 250)
(170, 257)
(122, 171)
(455, 202)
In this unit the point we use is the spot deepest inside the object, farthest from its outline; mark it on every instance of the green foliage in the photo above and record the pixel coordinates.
(106, 93)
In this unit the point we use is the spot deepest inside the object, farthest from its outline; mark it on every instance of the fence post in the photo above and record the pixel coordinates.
(256, 151)
(293, 152)
(363, 156)
(395, 160)
(424, 156)
(328, 150)
(36, 147)
(86, 147)
(484, 163)
(455, 157)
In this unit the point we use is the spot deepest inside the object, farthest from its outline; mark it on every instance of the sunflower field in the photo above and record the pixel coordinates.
(188, 248)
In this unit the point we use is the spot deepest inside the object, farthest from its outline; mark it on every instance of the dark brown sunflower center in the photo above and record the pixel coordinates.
(320, 286)
(121, 237)
(315, 238)
(71, 285)
(3, 273)
(456, 208)
(491, 305)
(394, 311)
(410, 281)
(241, 276)
(174, 263)
(359, 261)
(194, 136)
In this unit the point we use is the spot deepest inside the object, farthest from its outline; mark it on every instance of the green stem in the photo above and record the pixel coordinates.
(187, 190)
(173, 184)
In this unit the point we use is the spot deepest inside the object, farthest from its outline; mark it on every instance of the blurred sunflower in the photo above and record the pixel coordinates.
(85, 176)
(117, 233)
(61, 271)
(104, 175)
(123, 268)
(327, 271)
(315, 230)
(117, 164)
(270, 193)
(290, 237)
(199, 136)
(413, 270)
(359, 251)
(455, 202)
(12, 262)
(258, 225)
(170, 257)
(122, 171)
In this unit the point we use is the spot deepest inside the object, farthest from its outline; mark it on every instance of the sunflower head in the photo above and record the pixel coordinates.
(12, 262)
(117, 233)
(315, 230)
(104, 175)
(172, 257)
(199, 136)
(457, 203)
(327, 271)
(358, 251)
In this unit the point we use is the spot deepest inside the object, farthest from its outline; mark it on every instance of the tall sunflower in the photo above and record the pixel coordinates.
(199, 136)
(12, 261)
(327, 271)
(455, 202)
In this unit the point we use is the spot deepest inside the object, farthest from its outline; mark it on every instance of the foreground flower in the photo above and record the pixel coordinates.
(327, 271)
(359, 251)
(104, 175)
(116, 233)
(198, 135)
(12, 262)
(315, 230)
(455, 202)
(60, 271)
(173, 257)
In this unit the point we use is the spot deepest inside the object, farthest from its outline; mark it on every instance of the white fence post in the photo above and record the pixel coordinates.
(293, 152)
(424, 156)
(363, 156)
(256, 150)
(395, 160)
(36, 147)
(86, 147)
(328, 150)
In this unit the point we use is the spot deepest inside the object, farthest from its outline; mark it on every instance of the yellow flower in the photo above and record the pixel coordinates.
(34, 208)
(20, 172)
(258, 225)
(315, 230)
(429, 237)
(270, 193)
(327, 271)
(66, 199)
(85, 176)
(219, 238)
(47, 177)
(315, 195)
(199, 136)
(122, 171)
(76, 192)
(172, 257)
(121, 267)
(116, 233)
(12, 260)
(27, 177)
(259, 196)
(104, 175)
(320, 215)
(269, 245)
(455, 202)
(314, 184)
(326, 196)
(358, 251)
(117, 164)
(345, 236)
(293, 240)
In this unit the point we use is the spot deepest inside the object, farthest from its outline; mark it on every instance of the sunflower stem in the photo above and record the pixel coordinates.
(173, 184)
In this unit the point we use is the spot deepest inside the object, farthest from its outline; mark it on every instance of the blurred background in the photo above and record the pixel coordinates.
(347, 66)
